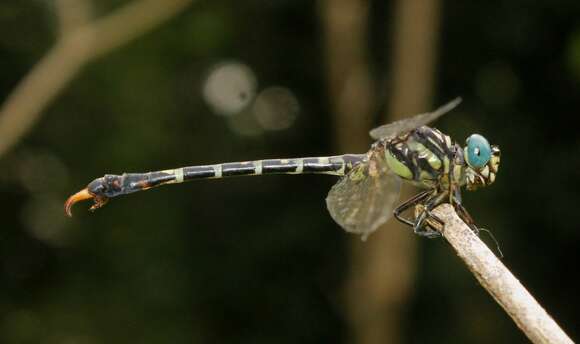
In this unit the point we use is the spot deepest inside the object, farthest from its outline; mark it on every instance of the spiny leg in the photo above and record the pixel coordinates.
(426, 200)
(456, 201)
(464, 215)
(410, 203)
(421, 226)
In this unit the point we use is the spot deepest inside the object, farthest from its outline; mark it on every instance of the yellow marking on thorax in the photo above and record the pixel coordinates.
(457, 169)
(436, 144)
(398, 167)
(426, 153)
(434, 161)
(424, 175)
(446, 165)
(447, 140)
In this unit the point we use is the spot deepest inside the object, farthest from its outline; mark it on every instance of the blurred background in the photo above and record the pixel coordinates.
(92, 87)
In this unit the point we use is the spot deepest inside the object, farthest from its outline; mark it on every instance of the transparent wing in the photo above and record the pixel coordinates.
(364, 199)
(393, 129)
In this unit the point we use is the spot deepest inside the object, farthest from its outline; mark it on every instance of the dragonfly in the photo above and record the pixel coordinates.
(369, 186)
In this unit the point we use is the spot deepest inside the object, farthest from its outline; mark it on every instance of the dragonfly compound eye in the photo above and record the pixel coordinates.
(477, 151)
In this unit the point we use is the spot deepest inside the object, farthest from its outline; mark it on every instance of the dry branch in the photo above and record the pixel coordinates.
(521, 306)
(73, 50)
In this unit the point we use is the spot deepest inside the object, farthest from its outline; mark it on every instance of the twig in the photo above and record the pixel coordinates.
(73, 50)
(72, 14)
(530, 317)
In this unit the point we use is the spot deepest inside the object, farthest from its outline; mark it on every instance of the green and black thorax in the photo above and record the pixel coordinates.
(424, 156)
(430, 159)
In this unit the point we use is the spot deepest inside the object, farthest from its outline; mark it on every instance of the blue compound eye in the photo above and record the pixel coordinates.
(478, 151)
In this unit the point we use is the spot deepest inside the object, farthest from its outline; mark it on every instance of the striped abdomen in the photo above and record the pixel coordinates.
(422, 156)
(115, 185)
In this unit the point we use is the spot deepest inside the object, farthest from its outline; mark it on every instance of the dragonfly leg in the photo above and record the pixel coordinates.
(426, 200)
(462, 212)
(466, 217)
(421, 225)
(422, 228)
(408, 204)
(456, 201)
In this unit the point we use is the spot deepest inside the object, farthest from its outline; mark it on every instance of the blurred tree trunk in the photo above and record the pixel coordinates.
(348, 80)
(382, 268)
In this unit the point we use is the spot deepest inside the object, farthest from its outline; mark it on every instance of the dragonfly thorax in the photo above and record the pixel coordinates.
(430, 159)
(426, 157)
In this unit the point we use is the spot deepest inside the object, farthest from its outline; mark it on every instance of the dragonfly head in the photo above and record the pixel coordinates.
(482, 162)
(99, 190)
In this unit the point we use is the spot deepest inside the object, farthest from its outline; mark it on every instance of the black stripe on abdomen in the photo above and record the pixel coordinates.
(313, 165)
(238, 169)
(279, 166)
(158, 178)
(195, 172)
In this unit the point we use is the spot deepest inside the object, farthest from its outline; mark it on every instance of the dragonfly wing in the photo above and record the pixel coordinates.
(393, 129)
(364, 199)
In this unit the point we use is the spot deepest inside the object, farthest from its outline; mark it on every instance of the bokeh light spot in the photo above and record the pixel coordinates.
(245, 124)
(41, 172)
(229, 88)
(42, 217)
(276, 108)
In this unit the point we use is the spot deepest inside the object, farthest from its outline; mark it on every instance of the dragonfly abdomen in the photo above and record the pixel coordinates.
(335, 165)
(114, 185)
